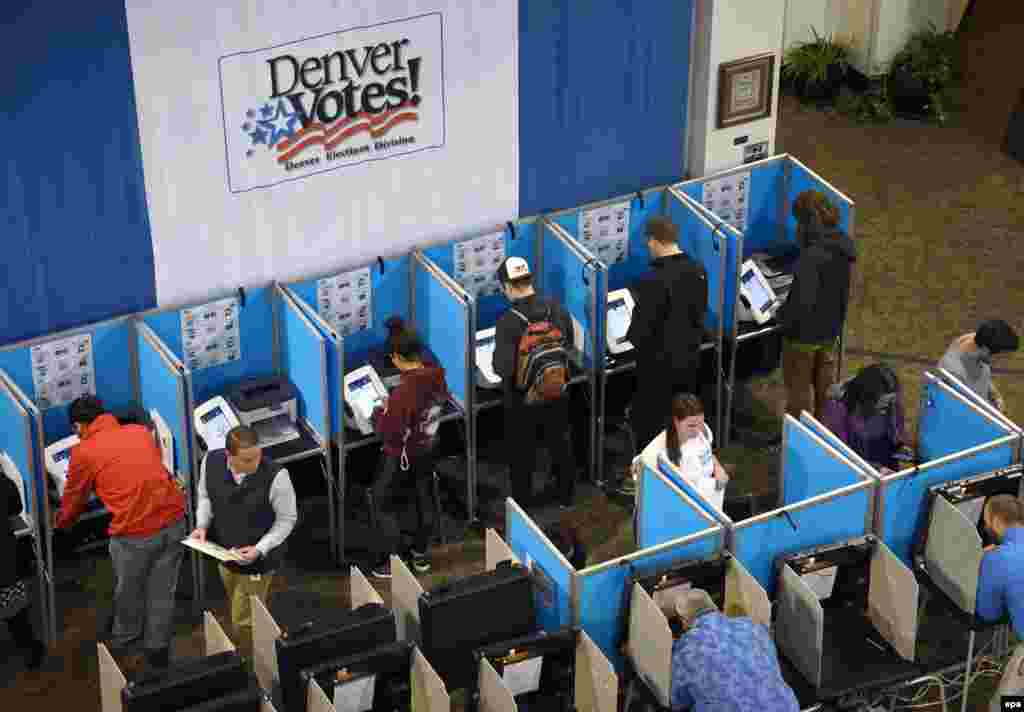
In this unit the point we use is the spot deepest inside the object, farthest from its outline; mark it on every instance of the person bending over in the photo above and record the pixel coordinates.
(866, 412)
(14, 573)
(408, 425)
(813, 315)
(722, 664)
(969, 357)
(246, 503)
(687, 440)
(123, 465)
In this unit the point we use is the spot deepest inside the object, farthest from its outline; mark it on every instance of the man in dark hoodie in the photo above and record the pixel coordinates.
(812, 317)
(407, 424)
(666, 330)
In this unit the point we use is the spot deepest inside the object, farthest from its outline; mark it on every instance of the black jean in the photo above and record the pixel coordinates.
(391, 491)
(526, 427)
(20, 627)
(652, 400)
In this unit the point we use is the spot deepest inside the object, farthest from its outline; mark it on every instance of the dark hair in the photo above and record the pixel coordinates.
(997, 336)
(1006, 508)
(566, 539)
(814, 206)
(402, 340)
(871, 383)
(241, 437)
(684, 405)
(662, 230)
(85, 409)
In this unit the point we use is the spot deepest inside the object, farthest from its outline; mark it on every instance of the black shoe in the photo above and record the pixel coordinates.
(382, 570)
(159, 658)
(34, 655)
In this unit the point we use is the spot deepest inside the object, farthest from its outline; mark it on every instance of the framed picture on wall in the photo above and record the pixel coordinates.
(745, 90)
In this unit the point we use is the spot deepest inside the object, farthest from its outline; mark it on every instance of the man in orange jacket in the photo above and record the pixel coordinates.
(122, 464)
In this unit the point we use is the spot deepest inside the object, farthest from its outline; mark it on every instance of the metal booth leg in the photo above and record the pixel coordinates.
(967, 672)
(439, 530)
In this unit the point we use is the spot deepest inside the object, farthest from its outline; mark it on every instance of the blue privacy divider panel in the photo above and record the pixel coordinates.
(16, 440)
(638, 259)
(603, 598)
(704, 244)
(676, 478)
(801, 179)
(160, 389)
(490, 308)
(766, 194)
(808, 469)
(831, 438)
(903, 498)
(666, 512)
(442, 323)
(565, 281)
(948, 424)
(302, 358)
(390, 298)
(554, 594)
(112, 359)
(758, 543)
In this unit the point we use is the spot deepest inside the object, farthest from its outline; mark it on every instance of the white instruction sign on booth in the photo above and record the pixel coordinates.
(476, 263)
(605, 231)
(63, 370)
(210, 334)
(728, 197)
(345, 301)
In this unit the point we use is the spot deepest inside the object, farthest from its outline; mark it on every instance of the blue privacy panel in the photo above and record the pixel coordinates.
(948, 424)
(829, 437)
(77, 246)
(390, 298)
(490, 308)
(664, 513)
(256, 322)
(565, 280)
(442, 322)
(332, 347)
(638, 260)
(808, 469)
(759, 543)
(302, 358)
(16, 441)
(705, 244)
(800, 179)
(902, 500)
(604, 594)
(112, 359)
(160, 389)
(602, 99)
(553, 588)
(767, 183)
(676, 478)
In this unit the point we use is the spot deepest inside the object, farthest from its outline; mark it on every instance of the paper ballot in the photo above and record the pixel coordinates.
(355, 695)
(210, 549)
(524, 676)
(821, 582)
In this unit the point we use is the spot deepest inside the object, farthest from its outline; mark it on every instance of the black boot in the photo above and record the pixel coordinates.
(34, 655)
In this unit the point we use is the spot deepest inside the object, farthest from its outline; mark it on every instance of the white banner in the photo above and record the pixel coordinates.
(279, 139)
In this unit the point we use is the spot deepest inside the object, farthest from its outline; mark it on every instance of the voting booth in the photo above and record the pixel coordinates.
(756, 200)
(20, 462)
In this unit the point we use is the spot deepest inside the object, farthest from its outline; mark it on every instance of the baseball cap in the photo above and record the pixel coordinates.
(512, 269)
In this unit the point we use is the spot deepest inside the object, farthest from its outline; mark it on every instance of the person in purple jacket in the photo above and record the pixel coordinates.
(866, 412)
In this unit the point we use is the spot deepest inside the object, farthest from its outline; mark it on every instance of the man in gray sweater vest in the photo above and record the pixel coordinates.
(969, 357)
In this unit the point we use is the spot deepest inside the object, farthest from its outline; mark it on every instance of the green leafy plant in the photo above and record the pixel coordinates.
(871, 107)
(816, 68)
(930, 60)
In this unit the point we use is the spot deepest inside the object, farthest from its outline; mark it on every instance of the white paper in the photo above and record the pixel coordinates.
(63, 370)
(210, 549)
(164, 439)
(821, 582)
(345, 301)
(476, 263)
(605, 231)
(355, 695)
(728, 197)
(971, 508)
(15, 475)
(210, 334)
(523, 677)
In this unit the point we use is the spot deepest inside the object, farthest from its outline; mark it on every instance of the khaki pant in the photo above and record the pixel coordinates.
(239, 587)
(808, 375)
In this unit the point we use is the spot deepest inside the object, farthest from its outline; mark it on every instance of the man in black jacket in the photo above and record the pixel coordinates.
(666, 330)
(522, 420)
(812, 317)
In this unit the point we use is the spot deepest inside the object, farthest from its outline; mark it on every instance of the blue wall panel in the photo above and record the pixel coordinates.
(77, 245)
(767, 183)
(160, 389)
(554, 592)
(602, 99)
(441, 322)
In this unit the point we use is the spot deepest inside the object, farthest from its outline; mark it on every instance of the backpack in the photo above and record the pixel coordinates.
(542, 363)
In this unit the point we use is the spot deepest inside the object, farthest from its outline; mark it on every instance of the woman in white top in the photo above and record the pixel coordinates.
(687, 443)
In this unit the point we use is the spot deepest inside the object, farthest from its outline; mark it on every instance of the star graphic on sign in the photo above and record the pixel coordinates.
(266, 111)
(281, 124)
(258, 136)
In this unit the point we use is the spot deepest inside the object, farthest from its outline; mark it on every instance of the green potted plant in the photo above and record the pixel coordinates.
(816, 69)
(922, 73)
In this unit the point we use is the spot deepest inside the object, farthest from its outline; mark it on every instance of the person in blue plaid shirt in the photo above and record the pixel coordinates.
(723, 664)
